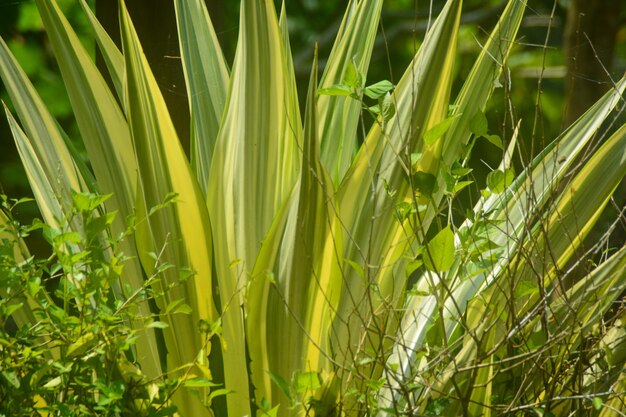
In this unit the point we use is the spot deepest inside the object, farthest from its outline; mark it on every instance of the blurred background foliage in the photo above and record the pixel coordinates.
(553, 72)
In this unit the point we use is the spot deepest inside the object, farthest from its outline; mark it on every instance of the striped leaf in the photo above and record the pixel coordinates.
(178, 233)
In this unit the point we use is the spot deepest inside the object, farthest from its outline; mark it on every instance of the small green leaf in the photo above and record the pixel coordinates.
(478, 124)
(281, 384)
(458, 171)
(597, 403)
(389, 108)
(54, 382)
(34, 285)
(353, 78)
(378, 90)
(11, 378)
(440, 251)
(158, 325)
(69, 237)
(306, 381)
(182, 309)
(50, 234)
(415, 157)
(357, 268)
(412, 266)
(460, 185)
(10, 309)
(498, 180)
(171, 306)
(270, 413)
(375, 110)
(495, 140)
(336, 90)
(199, 383)
(269, 275)
(96, 225)
(403, 210)
(81, 345)
(438, 130)
(219, 392)
(178, 307)
(88, 202)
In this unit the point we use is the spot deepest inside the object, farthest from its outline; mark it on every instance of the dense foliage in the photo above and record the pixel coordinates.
(291, 266)
(72, 358)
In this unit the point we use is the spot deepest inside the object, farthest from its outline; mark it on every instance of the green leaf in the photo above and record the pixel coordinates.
(112, 56)
(158, 325)
(219, 392)
(353, 78)
(205, 71)
(281, 383)
(81, 345)
(306, 381)
(388, 108)
(200, 383)
(438, 130)
(499, 180)
(413, 266)
(53, 383)
(459, 171)
(179, 232)
(266, 412)
(41, 144)
(495, 140)
(357, 267)
(339, 116)
(178, 307)
(252, 177)
(102, 123)
(88, 202)
(415, 157)
(478, 124)
(440, 251)
(378, 90)
(11, 378)
(336, 90)
(597, 403)
(485, 73)
(461, 185)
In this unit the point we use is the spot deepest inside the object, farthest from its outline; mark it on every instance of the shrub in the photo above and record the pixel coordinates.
(324, 274)
(70, 356)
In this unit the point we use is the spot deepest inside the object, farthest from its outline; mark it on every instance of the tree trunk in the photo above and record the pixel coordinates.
(590, 35)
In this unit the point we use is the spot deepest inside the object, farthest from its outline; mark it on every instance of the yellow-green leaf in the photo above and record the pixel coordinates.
(439, 253)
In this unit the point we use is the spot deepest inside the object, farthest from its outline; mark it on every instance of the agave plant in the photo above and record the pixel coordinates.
(328, 268)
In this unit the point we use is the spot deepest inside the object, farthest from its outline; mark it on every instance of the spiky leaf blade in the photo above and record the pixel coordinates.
(179, 231)
(206, 75)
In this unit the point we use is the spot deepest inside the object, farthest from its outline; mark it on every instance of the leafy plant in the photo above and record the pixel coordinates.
(69, 355)
(324, 274)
